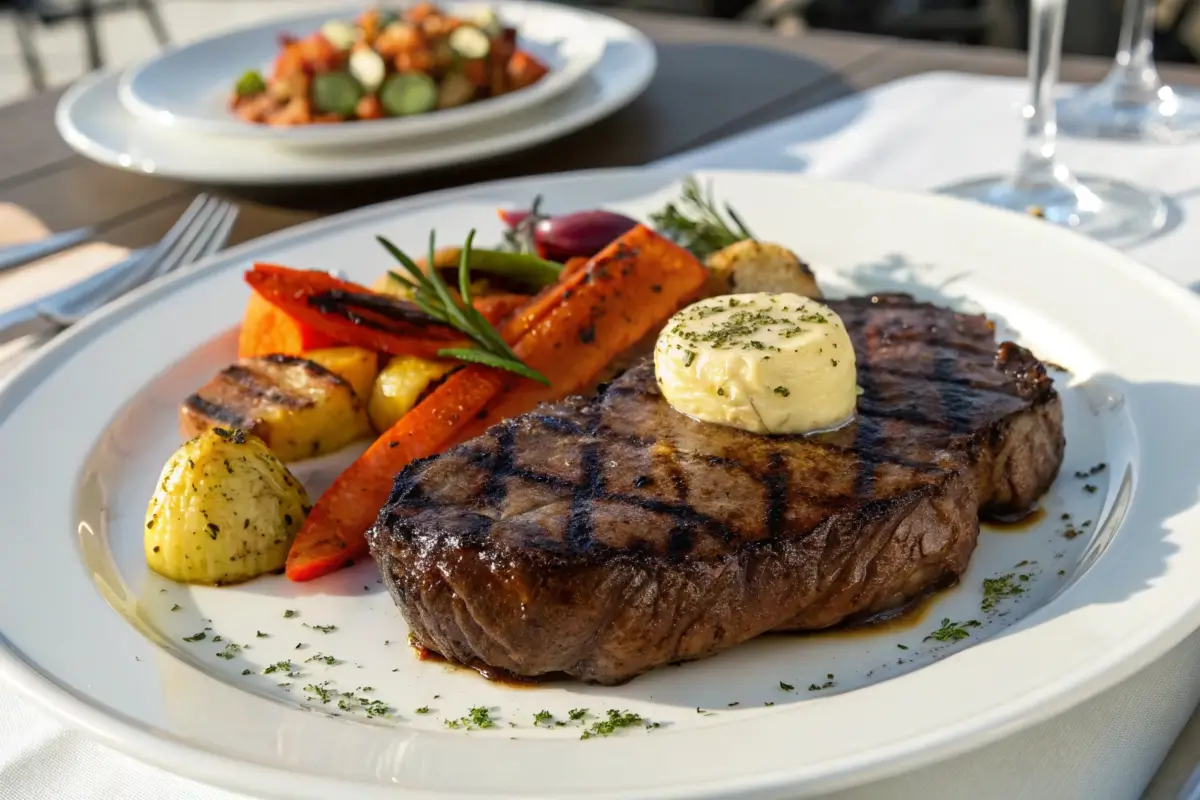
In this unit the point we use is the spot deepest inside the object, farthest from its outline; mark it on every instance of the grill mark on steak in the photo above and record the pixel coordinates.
(591, 487)
(500, 470)
(775, 481)
(605, 536)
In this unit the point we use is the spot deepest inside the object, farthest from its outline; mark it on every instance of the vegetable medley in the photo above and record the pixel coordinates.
(386, 64)
(435, 352)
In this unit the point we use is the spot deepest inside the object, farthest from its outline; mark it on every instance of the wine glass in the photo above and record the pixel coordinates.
(1131, 102)
(1099, 207)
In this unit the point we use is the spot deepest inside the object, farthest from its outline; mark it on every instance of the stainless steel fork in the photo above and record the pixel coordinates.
(201, 231)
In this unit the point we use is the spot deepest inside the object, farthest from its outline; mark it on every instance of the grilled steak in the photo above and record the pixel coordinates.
(602, 537)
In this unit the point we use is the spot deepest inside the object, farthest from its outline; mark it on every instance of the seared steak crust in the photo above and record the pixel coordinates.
(602, 537)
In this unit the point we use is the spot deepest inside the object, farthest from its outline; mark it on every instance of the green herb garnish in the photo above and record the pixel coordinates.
(423, 710)
(432, 296)
(787, 687)
(952, 631)
(324, 628)
(616, 719)
(196, 637)
(995, 589)
(477, 717)
(230, 651)
(543, 717)
(278, 666)
(695, 223)
(289, 613)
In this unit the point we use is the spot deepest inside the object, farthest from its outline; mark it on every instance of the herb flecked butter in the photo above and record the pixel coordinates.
(765, 363)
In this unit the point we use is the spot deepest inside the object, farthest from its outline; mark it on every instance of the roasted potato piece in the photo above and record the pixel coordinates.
(749, 266)
(298, 407)
(357, 365)
(400, 385)
(225, 510)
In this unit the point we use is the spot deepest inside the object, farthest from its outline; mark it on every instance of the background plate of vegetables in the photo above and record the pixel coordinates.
(361, 75)
(187, 476)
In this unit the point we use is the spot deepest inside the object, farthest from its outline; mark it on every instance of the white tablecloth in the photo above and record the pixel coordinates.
(919, 133)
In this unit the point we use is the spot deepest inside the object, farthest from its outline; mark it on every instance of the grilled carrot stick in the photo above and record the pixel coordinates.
(581, 324)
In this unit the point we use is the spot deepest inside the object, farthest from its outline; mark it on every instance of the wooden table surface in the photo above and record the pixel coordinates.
(715, 79)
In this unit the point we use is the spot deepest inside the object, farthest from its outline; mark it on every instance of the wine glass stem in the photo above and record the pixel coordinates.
(1038, 165)
(1134, 74)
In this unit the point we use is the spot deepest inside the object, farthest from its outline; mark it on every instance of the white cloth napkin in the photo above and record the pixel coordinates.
(934, 130)
(918, 133)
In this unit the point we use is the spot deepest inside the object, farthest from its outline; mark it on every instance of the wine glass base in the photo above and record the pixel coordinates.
(1107, 111)
(1103, 209)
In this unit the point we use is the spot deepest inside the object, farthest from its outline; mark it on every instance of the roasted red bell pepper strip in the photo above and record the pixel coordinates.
(352, 314)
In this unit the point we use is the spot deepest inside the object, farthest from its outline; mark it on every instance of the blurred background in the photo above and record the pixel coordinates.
(48, 43)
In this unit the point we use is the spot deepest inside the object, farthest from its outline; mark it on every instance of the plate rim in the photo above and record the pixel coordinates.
(392, 130)
(1048, 701)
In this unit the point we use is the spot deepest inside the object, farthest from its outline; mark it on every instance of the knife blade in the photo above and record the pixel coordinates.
(18, 255)
(32, 316)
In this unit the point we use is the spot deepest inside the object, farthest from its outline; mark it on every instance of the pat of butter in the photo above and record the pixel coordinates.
(765, 363)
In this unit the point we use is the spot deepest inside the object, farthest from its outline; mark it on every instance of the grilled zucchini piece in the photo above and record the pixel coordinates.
(401, 383)
(298, 407)
(225, 510)
(748, 266)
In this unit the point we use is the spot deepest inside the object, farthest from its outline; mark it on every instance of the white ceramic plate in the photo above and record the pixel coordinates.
(86, 428)
(187, 88)
(92, 120)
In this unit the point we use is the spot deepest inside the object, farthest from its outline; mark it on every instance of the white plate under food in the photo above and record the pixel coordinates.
(187, 88)
(87, 630)
(92, 120)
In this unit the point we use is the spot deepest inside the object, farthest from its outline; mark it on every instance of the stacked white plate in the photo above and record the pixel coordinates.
(169, 116)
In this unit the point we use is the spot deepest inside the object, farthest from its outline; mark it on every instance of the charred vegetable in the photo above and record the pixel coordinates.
(298, 407)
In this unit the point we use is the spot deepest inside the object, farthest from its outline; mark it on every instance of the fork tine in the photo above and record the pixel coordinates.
(197, 231)
(215, 229)
(195, 215)
(201, 229)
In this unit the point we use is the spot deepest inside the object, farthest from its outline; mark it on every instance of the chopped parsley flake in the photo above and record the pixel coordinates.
(329, 660)
(324, 628)
(902, 646)
(782, 391)
(196, 637)
(278, 666)
(812, 687)
(576, 714)
(260, 635)
(478, 717)
(289, 613)
(246, 672)
(176, 607)
(787, 687)
(423, 710)
(543, 717)
(230, 651)
(616, 720)
(952, 631)
(996, 589)
(319, 690)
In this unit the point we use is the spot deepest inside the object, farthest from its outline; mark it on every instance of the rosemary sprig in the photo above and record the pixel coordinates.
(431, 295)
(695, 222)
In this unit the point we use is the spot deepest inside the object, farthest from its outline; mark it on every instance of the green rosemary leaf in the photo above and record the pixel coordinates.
(493, 360)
